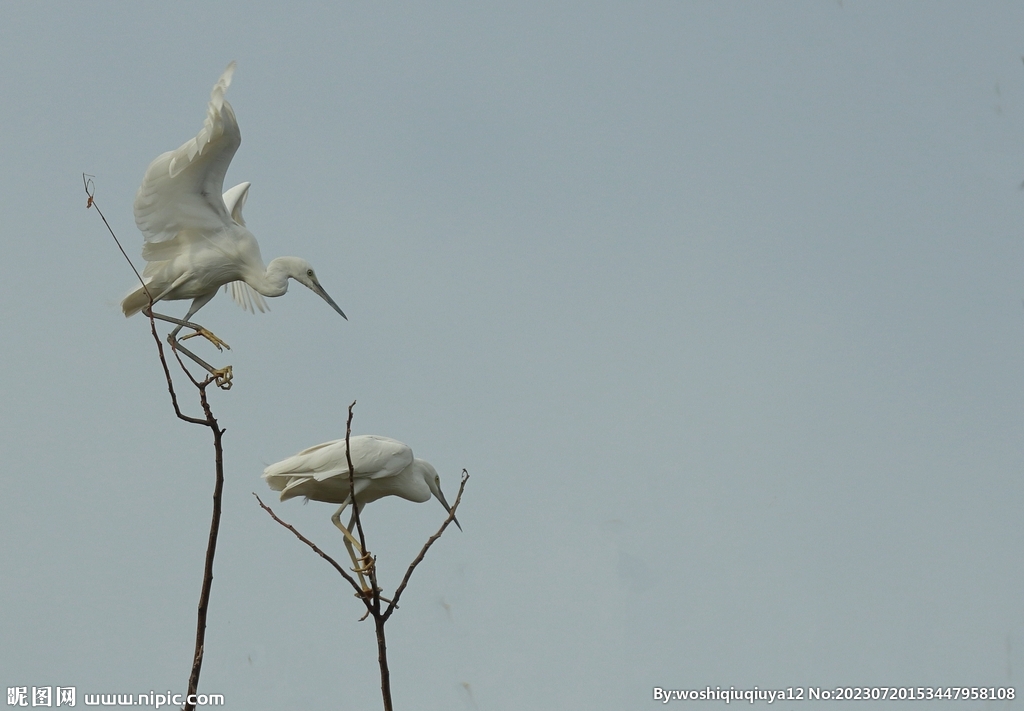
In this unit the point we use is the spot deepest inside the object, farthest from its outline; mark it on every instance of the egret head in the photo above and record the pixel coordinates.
(302, 271)
(434, 484)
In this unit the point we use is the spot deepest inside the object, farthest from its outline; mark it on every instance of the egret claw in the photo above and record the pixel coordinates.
(366, 592)
(364, 564)
(223, 376)
(208, 335)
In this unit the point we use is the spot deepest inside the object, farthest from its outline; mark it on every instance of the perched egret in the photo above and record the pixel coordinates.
(381, 467)
(196, 240)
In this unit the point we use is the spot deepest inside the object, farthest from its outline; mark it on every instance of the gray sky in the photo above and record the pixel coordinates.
(719, 304)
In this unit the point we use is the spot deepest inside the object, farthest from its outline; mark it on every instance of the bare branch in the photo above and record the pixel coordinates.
(352, 480)
(211, 547)
(372, 598)
(426, 547)
(316, 549)
(218, 434)
(90, 190)
(170, 383)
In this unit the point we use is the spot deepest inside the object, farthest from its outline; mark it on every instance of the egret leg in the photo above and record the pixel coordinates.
(357, 568)
(351, 544)
(365, 561)
(223, 375)
(336, 519)
(197, 303)
(185, 323)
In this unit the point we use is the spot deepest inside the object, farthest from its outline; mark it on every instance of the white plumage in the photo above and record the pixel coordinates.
(381, 467)
(195, 238)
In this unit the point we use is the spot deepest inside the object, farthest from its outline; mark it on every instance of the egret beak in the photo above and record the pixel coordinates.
(440, 497)
(319, 291)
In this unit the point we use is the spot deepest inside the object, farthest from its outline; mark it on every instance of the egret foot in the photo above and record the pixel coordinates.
(208, 335)
(368, 593)
(364, 564)
(223, 377)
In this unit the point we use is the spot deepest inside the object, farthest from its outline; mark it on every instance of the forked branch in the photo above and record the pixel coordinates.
(372, 599)
(218, 433)
(426, 546)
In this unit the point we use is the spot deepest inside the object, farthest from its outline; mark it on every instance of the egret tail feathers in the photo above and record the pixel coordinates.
(135, 302)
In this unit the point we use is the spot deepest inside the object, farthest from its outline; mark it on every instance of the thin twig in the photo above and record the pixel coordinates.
(218, 434)
(177, 355)
(382, 656)
(372, 601)
(426, 547)
(170, 383)
(352, 480)
(316, 550)
(90, 190)
(211, 547)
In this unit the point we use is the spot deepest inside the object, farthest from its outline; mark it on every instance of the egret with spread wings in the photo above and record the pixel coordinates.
(195, 238)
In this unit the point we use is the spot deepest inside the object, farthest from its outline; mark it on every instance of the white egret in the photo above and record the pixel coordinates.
(195, 238)
(381, 467)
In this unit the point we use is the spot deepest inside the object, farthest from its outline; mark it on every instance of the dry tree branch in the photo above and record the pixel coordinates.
(316, 549)
(372, 598)
(167, 374)
(218, 434)
(355, 505)
(380, 618)
(423, 552)
(211, 545)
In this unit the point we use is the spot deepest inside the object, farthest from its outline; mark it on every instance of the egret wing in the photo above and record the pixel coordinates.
(244, 295)
(182, 188)
(247, 297)
(326, 457)
(234, 200)
(287, 485)
(294, 476)
(373, 457)
(377, 457)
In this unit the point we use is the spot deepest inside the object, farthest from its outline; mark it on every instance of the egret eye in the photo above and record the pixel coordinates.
(309, 272)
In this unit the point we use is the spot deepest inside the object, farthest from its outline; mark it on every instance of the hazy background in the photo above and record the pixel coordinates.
(719, 304)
